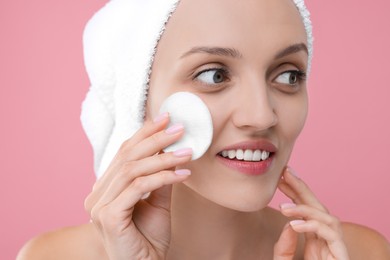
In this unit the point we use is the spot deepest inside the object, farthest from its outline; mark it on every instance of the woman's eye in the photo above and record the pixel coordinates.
(291, 77)
(212, 76)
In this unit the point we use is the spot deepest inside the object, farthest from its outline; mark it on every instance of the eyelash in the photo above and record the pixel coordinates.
(301, 77)
(224, 71)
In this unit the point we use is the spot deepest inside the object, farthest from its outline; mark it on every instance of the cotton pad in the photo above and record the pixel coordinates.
(188, 109)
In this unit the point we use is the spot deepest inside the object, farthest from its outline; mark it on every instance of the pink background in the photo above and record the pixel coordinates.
(46, 161)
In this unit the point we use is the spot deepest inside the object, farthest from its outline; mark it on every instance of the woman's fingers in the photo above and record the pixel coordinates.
(149, 128)
(306, 212)
(153, 144)
(139, 168)
(313, 219)
(127, 151)
(298, 191)
(286, 246)
(332, 237)
(132, 170)
(132, 151)
(121, 207)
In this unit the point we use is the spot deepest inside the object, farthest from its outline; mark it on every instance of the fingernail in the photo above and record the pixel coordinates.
(160, 117)
(288, 205)
(183, 172)
(174, 129)
(293, 172)
(297, 222)
(183, 152)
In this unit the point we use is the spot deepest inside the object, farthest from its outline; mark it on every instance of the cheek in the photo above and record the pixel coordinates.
(217, 105)
(156, 96)
(292, 117)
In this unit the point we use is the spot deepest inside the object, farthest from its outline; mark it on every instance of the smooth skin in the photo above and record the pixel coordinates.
(238, 58)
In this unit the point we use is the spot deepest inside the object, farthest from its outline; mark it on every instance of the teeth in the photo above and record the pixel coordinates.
(264, 155)
(257, 155)
(240, 155)
(246, 155)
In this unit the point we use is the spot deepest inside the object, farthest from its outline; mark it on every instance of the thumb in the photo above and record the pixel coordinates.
(161, 197)
(286, 246)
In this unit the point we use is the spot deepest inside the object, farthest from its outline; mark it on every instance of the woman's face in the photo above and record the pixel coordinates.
(246, 60)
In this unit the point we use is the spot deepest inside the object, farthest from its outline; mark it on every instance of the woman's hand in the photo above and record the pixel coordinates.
(132, 227)
(323, 234)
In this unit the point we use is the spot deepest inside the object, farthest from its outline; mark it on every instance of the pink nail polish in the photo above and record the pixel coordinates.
(160, 117)
(183, 172)
(183, 152)
(288, 205)
(174, 129)
(297, 222)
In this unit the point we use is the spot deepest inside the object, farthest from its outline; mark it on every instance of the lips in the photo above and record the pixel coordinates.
(251, 157)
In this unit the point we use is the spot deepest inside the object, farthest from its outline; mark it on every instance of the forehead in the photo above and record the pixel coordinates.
(243, 24)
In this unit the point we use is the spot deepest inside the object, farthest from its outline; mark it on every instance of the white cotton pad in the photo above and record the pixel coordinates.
(188, 109)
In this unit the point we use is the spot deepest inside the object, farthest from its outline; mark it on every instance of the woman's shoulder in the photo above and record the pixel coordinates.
(365, 243)
(78, 242)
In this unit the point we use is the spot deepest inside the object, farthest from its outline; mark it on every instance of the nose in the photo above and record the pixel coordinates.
(255, 108)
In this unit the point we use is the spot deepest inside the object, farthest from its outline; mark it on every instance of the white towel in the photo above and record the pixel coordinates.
(120, 41)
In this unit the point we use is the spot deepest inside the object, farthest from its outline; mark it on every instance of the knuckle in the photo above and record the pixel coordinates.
(165, 159)
(125, 151)
(316, 225)
(156, 139)
(320, 206)
(139, 184)
(88, 202)
(332, 221)
(95, 215)
(164, 178)
(336, 222)
(126, 144)
(127, 171)
(103, 217)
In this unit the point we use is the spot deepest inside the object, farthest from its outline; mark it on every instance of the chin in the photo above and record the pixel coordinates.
(237, 197)
(228, 188)
(249, 202)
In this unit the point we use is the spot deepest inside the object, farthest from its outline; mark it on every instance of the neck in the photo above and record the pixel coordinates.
(202, 229)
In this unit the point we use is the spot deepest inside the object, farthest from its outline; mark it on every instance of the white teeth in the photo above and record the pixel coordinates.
(264, 155)
(256, 156)
(247, 155)
(240, 154)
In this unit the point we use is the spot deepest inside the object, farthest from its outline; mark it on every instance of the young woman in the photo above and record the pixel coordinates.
(248, 61)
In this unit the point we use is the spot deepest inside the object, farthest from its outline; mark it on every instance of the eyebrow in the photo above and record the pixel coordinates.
(291, 50)
(234, 53)
(230, 52)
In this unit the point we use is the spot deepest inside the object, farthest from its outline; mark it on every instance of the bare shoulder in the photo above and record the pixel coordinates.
(78, 242)
(365, 243)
